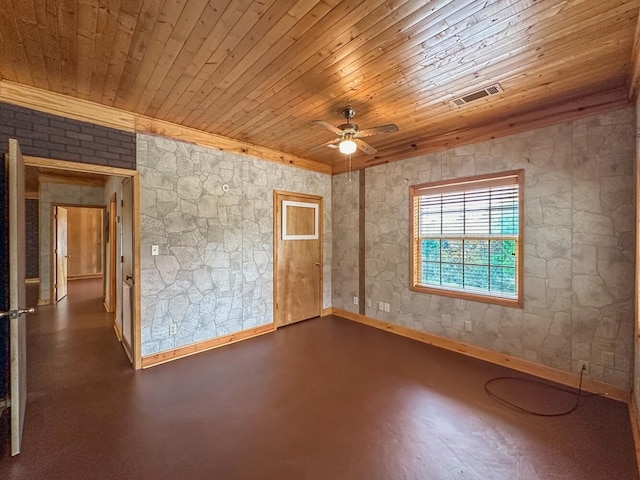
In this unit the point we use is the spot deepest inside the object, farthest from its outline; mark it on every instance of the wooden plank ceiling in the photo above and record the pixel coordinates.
(261, 71)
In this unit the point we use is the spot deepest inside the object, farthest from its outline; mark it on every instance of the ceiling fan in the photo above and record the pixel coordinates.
(349, 135)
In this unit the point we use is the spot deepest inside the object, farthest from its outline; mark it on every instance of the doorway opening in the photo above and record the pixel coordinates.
(86, 201)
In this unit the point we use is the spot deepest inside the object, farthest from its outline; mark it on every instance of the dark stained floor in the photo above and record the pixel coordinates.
(323, 399)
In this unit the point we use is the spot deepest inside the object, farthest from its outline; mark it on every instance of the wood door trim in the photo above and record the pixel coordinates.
(135, 179)
(276, 194)
(53, 247)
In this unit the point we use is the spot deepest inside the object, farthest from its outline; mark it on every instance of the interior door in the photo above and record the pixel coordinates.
(61, 252)
(127, 266)
(298, 257)
(112, 255)
(12, 299)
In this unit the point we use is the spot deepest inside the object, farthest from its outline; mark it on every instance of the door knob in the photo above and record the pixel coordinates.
(17, 313)
(318, 263)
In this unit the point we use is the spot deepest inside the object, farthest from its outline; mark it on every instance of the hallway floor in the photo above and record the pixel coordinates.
(324, 399)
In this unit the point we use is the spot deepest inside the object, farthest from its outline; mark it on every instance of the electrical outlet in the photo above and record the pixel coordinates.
(355, 300)
(368, 303)
(173, 329)
(154, 250)
(260, 309)
(468, 326)
(583, 366)
(381, 306)
(387, 307)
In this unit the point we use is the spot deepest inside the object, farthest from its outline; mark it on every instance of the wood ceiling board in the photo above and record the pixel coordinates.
(140, 40)
(634, 73)
(376, 81)
(513, 64)
(244, 78)
(198, 36)
(238, 26)
(225, 18)
(127, 20)
(394, 95)
(87, 24)
(68, 43)
(258, 39)
(331, 71)
(280, 89)
(260, 72)
(336, 28)
(106, 26)
(184, 24)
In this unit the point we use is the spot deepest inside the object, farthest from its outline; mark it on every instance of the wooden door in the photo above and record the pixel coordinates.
(61, 252)
(298, 257)
(127, 266)
(112, 255)
(12, 299)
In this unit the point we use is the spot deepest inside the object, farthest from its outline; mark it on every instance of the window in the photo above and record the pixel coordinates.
(466, 239)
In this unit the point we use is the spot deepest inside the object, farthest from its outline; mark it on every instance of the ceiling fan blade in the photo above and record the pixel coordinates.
(365, 147)
(330, 144)
(328, 126)
(392, 127)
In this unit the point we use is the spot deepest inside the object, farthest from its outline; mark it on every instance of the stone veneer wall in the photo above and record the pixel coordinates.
(59, 193)
(579, 246)
(214, 273)
(346, 238)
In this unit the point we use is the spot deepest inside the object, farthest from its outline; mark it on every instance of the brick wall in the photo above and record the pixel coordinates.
(50, 136)
(32, 235)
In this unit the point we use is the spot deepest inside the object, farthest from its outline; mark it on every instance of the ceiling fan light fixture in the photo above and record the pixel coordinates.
(347, 146)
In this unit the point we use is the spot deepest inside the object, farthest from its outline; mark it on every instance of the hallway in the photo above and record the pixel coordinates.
(324, 399)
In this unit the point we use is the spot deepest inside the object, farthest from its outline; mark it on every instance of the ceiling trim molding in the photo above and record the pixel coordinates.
(87, 111)
(560, 113)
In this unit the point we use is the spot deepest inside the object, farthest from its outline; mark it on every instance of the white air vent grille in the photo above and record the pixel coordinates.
(477, 95)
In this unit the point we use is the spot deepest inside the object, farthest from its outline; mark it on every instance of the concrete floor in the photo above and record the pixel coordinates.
(323, 399)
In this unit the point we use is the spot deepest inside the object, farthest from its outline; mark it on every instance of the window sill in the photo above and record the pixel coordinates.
(506, 302)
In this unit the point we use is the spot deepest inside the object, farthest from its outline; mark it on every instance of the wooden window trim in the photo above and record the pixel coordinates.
(455, 185)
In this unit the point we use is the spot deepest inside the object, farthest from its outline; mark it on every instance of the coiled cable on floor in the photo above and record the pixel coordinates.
(577, 395)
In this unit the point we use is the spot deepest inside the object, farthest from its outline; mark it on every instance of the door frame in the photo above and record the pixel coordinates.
(53, 247)
(112, 213)
(54, 238)
(135, 212)
(276, 238)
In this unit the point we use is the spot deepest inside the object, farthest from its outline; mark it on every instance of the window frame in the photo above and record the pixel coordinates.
(460, 185)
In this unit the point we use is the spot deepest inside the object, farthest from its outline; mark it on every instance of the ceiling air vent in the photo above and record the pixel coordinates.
(477, 95)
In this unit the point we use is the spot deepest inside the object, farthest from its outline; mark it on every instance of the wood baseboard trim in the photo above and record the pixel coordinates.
(44, 301)
(564, 378)
(326, 312)
(635, 426)
(181, 352)
(116, 329)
